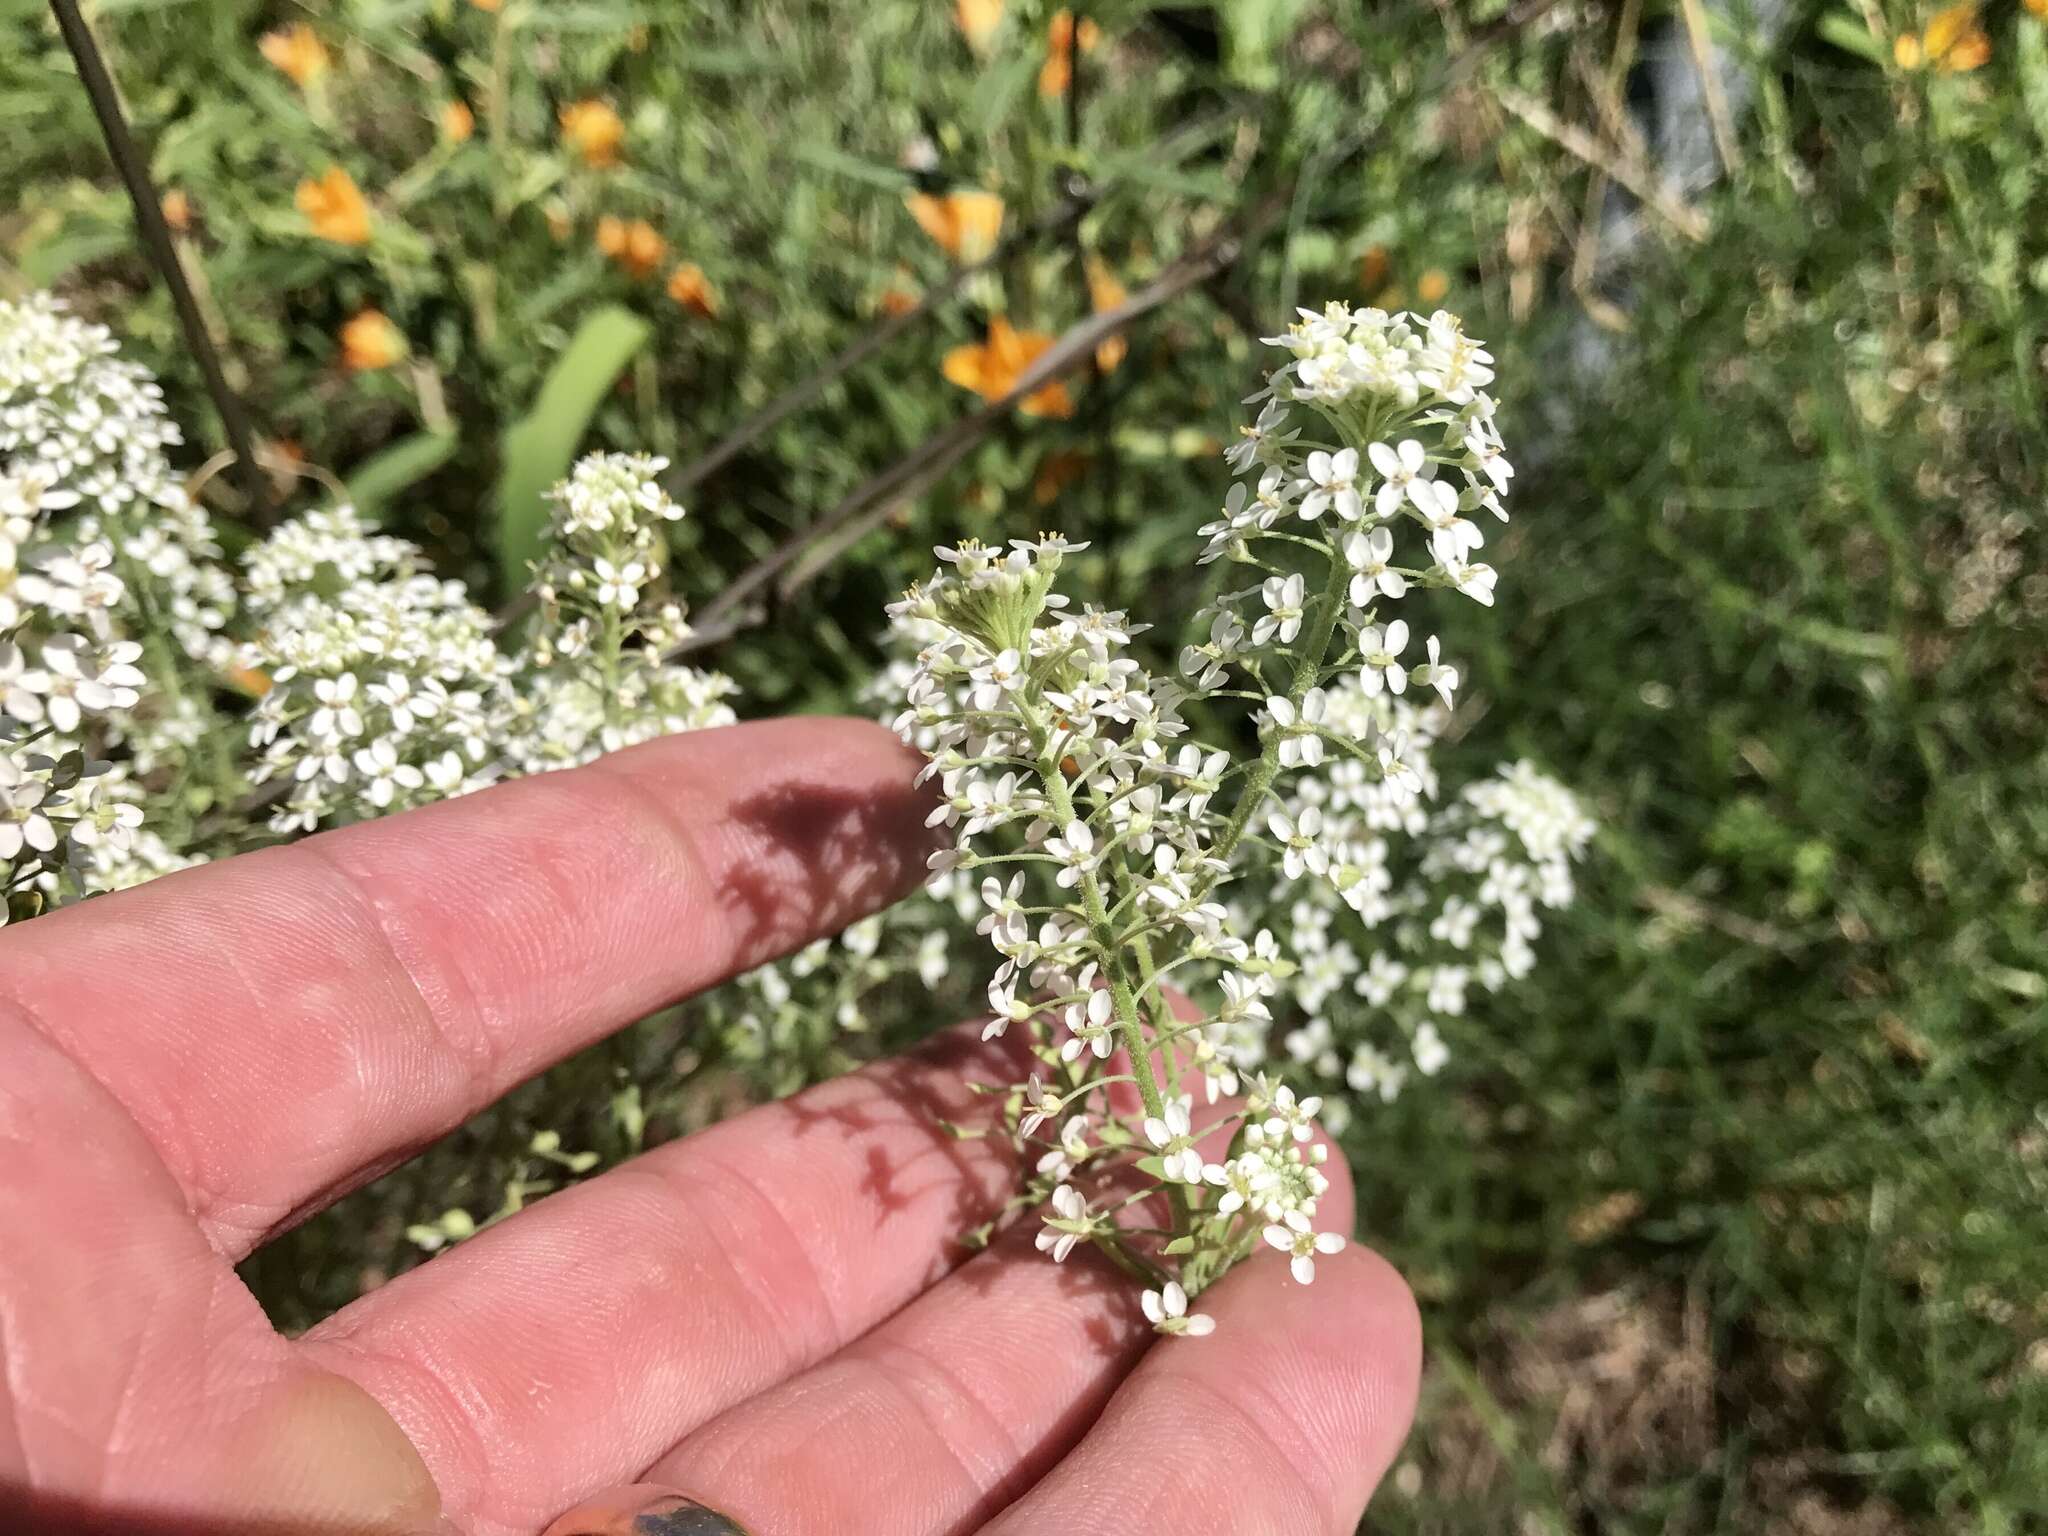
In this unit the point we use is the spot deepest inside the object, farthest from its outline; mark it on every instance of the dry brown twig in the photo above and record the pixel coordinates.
(1624, 171)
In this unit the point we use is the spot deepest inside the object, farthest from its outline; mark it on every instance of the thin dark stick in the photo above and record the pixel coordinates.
(156, 239)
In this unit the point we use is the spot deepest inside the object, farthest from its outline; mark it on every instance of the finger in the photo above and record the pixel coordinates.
(944, 1414)
(141, 1387)
(569, 1346)
(284, 1025)
(1280, 1423)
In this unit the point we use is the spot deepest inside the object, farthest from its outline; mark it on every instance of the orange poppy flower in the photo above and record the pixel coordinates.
(688, 286)
(2039, 8)
(334, 206)
(487, 5)
(1432, 286)
(1953, 43)
(992, 369)
(635, 245)
(1105, 292)
(370, 341)
(1060, 35)
(296, 52)
(594, 131)
(978, 22)
(177, 210)
(964, 223)
(457, 122)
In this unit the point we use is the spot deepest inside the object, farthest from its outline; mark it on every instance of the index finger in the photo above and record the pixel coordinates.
(284, 1025)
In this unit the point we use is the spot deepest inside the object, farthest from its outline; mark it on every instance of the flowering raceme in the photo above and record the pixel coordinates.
(378, 685)
(101, 554)
(1119, 856)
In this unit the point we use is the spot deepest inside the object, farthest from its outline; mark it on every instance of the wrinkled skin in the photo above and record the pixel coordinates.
(772, 1315)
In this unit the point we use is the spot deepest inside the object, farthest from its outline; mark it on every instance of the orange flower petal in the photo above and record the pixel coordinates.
(978, 22)
(1970, 51)
(1948, 27)
(295, 52)
(1048, 400)
(688, 286)
(370, 341)
(334, 207)
(594, 131)
(965, 366)
(978, 218)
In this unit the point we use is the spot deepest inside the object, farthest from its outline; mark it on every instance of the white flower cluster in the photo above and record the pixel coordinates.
(123, 631)
(597, 677)
(94, 428)
(82, 469)
(1422, 904)
(387, 688)
(1116, 852)
(384, 683)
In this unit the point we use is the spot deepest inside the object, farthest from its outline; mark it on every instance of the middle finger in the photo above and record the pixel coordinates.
(944, 1414)
(568, 1347)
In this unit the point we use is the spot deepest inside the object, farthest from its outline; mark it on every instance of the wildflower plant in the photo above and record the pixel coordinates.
(1122, 856)
(103, 557)
(597, 674)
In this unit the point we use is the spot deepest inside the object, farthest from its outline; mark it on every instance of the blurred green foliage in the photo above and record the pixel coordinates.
(1774, 600)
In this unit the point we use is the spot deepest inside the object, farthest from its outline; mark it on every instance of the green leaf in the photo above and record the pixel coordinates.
(48, 262)
(1850, 34)
(2033, 65)
(380, 478)
(540, 447)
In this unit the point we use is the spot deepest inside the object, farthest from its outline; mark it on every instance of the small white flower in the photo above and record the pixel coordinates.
(1167, 1310)
(1001, 675)
(1075, 849)
(1436, 673)
(1067, 1223)
(1475, 581)
(1380, 651)
(1301, 741)
(1295, 1237)
(1090, 1027)
(1172, 1137)
(1300, 852)
(1401, 467)
(1367, 553)
(1041, 1105)
(1284, 597)
(1331, 486)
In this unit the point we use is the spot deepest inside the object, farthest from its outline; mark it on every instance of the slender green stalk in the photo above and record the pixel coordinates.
(1308, 671)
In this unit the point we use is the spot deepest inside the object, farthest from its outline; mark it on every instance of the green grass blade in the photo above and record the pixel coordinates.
(381, 477)
(540, 448)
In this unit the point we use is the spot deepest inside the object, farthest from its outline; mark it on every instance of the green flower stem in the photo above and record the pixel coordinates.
(1308, 671)
(1121, 992)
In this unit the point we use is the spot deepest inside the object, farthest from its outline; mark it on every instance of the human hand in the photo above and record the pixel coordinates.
(772, 1314)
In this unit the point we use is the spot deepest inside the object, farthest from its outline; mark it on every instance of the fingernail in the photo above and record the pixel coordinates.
(644, 1510)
